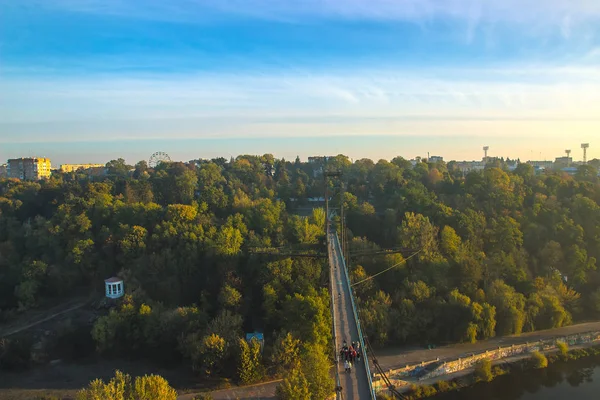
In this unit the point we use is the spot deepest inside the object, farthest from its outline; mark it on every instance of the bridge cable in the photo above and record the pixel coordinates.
(387, 269)
(391, 387)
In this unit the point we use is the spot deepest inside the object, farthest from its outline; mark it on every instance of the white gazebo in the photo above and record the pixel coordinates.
(114, 287)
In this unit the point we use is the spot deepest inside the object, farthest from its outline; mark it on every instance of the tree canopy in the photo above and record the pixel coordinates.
(486, 253)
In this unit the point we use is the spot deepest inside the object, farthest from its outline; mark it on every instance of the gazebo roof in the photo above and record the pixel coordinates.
(114, 279)
(258, 335)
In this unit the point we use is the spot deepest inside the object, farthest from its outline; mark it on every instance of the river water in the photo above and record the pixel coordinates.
(573, 380)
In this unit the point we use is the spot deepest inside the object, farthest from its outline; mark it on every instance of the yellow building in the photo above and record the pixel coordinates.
(75, 167)
(33, 169)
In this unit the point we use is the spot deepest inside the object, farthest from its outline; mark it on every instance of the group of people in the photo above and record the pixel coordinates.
(349, 354)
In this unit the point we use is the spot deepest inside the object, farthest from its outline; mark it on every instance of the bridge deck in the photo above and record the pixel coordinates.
(355, 385)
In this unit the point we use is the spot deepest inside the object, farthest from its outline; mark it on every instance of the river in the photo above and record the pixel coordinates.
(575, 380)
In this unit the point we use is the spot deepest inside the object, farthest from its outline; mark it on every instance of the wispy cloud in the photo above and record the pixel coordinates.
(359, 101)
(512, 10)
(490, 21)
(281, 83)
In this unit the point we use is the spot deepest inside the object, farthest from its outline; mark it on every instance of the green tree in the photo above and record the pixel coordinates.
(230, 297)
(286, 353)
(294, 387)
(228, 241)
(305, 232)
(510, 305)
(486, 321)
(483, 370)
(250, 368)
(451, 244)
(212, 353)
(26, 293)
(308, 316)
(316, 368)
(133, 243)
(318, 217)
(418, 233)
(118, 167)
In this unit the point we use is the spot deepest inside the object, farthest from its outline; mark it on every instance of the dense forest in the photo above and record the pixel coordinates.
(485, 253)
(179, 235)
(490, 253)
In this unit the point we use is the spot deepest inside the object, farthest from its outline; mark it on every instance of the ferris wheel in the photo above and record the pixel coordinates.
(157, 158)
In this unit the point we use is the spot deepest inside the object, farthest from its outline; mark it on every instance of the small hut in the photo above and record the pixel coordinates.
(258, 336)
(114, 287)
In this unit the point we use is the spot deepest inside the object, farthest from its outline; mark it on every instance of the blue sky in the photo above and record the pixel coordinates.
(91, 80)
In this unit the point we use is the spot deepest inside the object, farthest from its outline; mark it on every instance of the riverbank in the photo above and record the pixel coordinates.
(441, 368)
(65, 378)
(393, 358)
(514, 365)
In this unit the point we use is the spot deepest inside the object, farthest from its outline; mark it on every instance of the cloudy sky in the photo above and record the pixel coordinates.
(92, 80)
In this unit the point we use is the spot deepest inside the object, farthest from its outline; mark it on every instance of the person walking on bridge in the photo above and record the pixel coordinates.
(347, 366)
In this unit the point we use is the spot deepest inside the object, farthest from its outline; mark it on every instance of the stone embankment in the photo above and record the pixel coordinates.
(426, 370)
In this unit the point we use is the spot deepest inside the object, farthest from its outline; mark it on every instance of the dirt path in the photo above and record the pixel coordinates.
(37, 317)
(261, 391)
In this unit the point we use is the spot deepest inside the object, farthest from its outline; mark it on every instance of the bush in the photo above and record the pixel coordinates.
(443, 386)
(203, 396)
(483, 371)
(563, 348)
(539, 360)
(419, 392)
(122, 386)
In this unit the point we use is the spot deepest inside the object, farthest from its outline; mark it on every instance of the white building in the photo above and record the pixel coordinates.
(114, 287)
(468, 166)
(541, 164)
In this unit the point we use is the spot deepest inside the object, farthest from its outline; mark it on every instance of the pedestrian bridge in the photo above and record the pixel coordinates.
(346, 326)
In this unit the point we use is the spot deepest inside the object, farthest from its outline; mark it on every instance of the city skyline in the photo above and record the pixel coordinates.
(374, 79)
(87, 153)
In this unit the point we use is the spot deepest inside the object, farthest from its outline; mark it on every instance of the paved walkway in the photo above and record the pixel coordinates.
(395, 357)
(355, 385)
(261, 391)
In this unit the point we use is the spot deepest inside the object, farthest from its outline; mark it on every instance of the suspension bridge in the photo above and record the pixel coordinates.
(356, 384)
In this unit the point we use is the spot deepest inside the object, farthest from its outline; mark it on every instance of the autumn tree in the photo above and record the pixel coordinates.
(121, 387)
(250, 369)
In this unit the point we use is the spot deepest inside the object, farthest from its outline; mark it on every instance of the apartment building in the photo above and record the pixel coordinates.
(32, 169)
(75, 167)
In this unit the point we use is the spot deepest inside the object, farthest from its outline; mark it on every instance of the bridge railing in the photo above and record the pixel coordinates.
(338, 395)
(355, 312)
